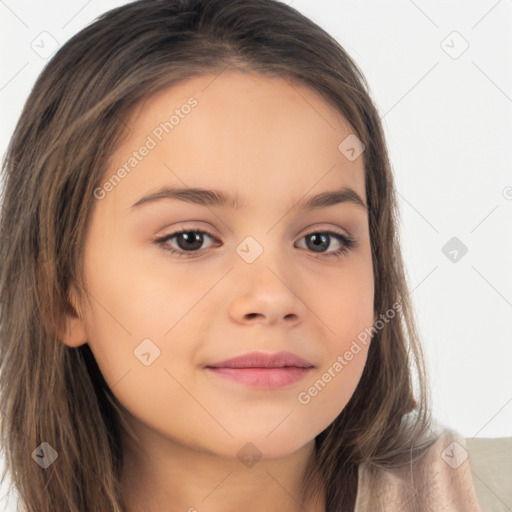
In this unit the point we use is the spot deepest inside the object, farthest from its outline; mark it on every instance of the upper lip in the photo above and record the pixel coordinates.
(263, 360)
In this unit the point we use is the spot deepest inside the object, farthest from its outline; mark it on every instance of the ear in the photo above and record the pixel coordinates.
(74, 333)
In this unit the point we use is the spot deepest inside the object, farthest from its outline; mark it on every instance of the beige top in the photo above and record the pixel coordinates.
(440, 482)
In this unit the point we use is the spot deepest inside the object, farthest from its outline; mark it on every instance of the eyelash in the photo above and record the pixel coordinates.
(348, 242)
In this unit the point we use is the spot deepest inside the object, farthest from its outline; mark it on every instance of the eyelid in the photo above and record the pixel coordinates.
(305, 231)
(323, 228)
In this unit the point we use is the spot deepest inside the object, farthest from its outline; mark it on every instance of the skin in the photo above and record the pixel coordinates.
(271, 142)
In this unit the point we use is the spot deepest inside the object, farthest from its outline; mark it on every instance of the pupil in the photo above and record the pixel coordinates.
(322, 244)
(190, 237)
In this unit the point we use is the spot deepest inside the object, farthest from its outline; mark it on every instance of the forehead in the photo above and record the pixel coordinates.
(238, 131)
(241, 91)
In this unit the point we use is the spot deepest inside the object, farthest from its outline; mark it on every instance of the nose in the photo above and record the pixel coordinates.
(264, 295)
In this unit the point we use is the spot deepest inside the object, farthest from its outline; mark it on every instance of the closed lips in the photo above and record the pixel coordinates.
(263, 360)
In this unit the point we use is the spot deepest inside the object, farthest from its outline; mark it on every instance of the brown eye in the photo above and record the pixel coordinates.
(318, 241)
(187, 241)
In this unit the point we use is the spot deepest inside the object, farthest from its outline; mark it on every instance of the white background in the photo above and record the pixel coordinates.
(448, 123)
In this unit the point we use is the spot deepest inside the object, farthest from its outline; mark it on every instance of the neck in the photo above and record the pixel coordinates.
(166, 476)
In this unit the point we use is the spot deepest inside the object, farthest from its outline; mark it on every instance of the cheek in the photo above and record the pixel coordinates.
(126, 308)
(134, 301)
(345, 307)
(140, 315)
(329, 390)
(335, 382)
(343, 304)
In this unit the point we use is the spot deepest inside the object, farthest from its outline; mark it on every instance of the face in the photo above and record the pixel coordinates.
(259, 276)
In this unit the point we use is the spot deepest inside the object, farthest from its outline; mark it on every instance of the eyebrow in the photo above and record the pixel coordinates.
(210, 197)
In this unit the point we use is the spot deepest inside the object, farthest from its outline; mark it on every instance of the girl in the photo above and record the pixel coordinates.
(203, 299)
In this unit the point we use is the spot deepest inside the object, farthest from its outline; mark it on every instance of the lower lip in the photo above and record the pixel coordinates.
(269, 378)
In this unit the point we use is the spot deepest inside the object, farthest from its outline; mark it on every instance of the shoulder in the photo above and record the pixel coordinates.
(441, 480)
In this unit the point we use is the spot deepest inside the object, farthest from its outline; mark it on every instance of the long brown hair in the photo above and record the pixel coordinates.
(58, 154)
